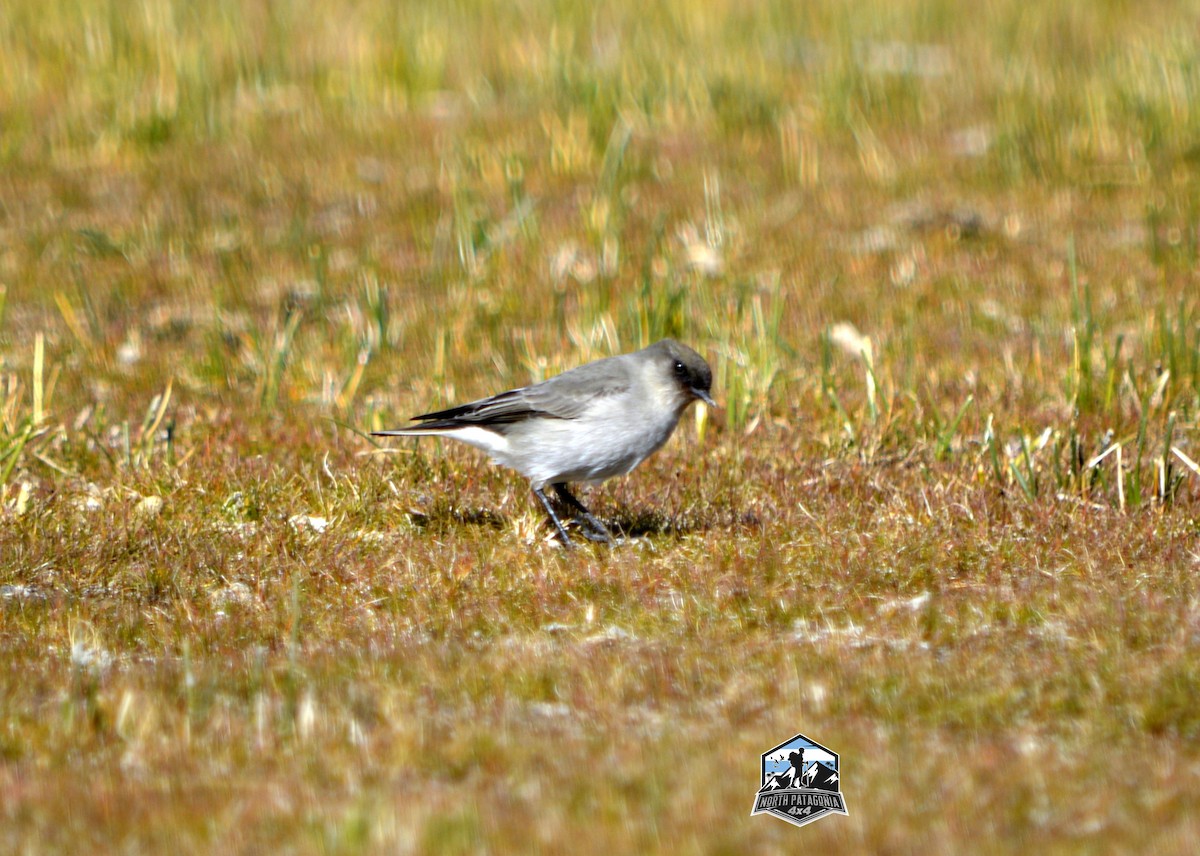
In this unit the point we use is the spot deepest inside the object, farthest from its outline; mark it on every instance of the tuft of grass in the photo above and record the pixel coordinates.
(943, 266)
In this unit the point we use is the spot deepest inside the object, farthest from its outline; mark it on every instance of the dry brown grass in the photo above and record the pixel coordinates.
(942, 264)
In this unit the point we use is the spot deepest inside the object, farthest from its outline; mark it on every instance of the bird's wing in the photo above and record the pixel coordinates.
(564, 396)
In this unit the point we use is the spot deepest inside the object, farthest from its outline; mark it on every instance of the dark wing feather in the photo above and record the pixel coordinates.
(497, 410)
(563, 396)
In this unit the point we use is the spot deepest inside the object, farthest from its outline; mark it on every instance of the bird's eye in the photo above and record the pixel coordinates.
(680, 368)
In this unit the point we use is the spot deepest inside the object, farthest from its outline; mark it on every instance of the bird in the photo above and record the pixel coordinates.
(588, 424)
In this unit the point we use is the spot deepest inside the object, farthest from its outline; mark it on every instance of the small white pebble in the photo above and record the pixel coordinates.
(304, 521)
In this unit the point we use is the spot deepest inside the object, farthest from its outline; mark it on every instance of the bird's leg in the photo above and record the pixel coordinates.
(599, 528)
(537, 491)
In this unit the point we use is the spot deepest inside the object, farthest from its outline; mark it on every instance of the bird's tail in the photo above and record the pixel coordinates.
(414, 431)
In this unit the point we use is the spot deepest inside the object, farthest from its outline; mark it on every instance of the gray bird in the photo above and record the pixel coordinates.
(588, 424)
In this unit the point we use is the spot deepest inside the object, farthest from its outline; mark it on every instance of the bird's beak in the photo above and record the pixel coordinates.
(705, 397)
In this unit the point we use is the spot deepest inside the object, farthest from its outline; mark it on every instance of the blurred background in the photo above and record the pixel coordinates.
(943, 260)
(356, 206)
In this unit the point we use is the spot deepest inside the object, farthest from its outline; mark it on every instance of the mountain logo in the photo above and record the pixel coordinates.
(801, 782)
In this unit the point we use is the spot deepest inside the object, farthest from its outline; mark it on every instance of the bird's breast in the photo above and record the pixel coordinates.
(607, 441)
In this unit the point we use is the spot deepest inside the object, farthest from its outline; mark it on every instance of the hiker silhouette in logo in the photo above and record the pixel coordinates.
(797, 760)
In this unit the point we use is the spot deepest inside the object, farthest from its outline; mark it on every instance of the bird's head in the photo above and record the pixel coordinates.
(687, 370)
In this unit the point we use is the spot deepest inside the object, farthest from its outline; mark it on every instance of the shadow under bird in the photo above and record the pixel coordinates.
(587, 424)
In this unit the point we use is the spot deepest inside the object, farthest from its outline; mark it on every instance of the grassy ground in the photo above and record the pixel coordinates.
(945, 268)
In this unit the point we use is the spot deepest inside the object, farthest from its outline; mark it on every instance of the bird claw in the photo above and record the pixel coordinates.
(599, 537)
